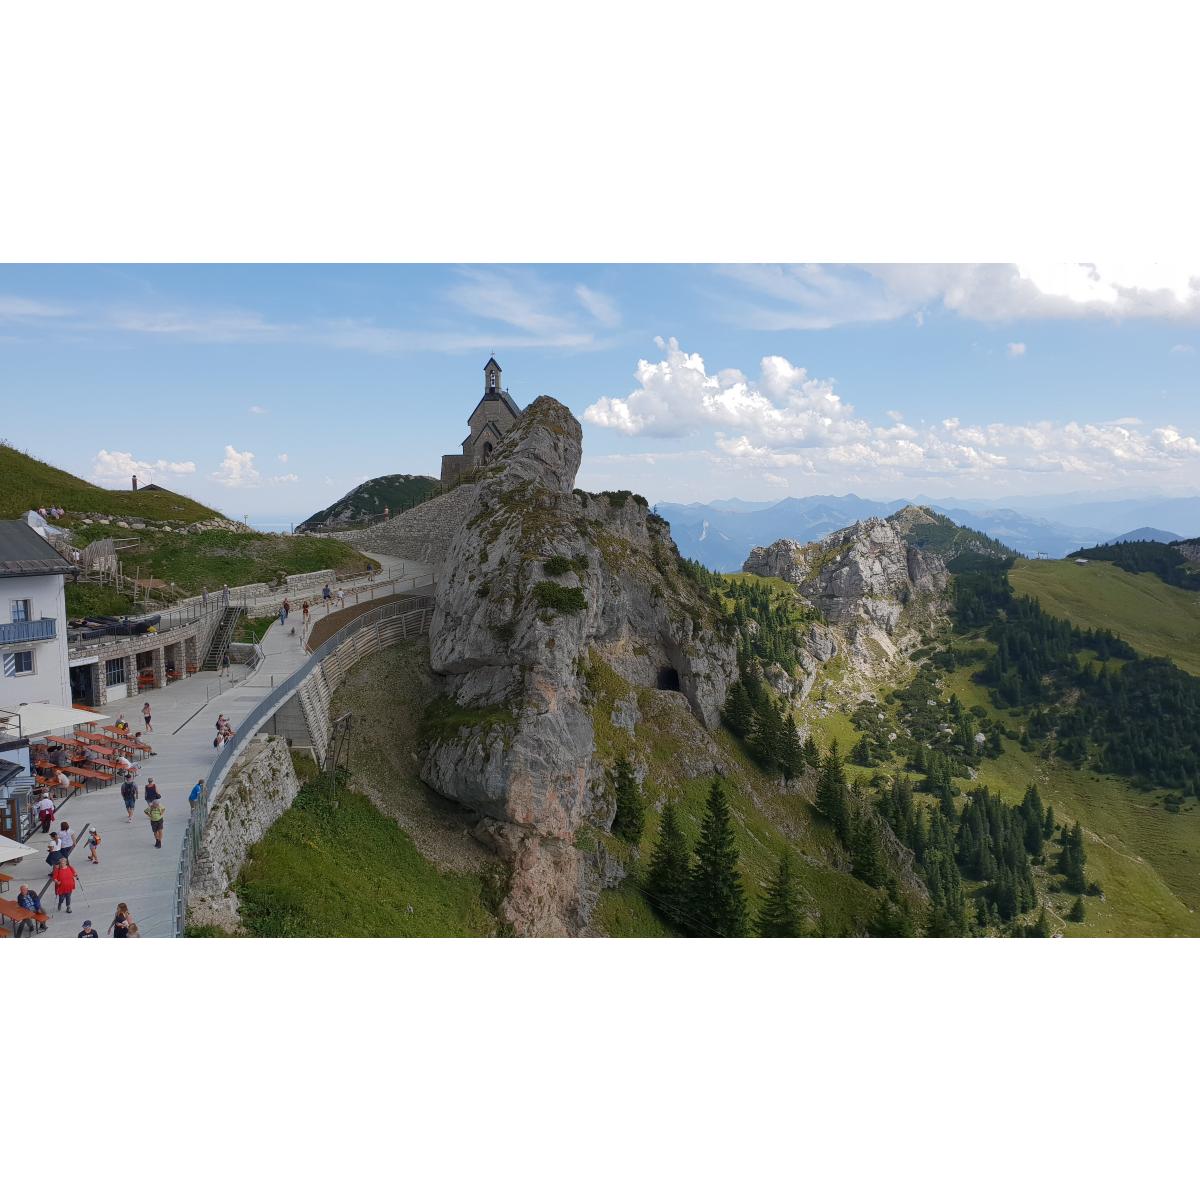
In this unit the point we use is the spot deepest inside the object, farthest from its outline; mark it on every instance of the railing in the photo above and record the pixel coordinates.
(28, 631)
(384, 625)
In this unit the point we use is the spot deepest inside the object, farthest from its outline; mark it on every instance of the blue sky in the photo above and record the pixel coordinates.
(272, 390)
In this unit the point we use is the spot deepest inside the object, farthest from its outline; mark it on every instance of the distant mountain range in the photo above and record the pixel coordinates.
(1145, 534)
(722, 533)
(368, 500)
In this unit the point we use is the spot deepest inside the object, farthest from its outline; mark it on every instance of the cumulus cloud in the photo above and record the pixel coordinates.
(1016, 349)
(787, 420)
(237, 469)
(118, 466)
(820, 297)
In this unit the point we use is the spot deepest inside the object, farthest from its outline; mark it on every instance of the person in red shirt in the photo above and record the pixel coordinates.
(65, 878)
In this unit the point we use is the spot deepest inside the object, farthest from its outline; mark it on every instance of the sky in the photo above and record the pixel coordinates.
(270, 391)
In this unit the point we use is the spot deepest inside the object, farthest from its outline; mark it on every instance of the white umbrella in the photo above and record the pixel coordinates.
(29, 720)
(10, 849)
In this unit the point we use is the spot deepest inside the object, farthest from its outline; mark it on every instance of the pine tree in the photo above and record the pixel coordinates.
(738, 711)
(766, 739)
(668, 877)
(717, 905)
(1048, 827)
(866, 849)
(779, 913)
(812, 756)
(831, 793)
(630, 820)
(1077, 912)
(791, 758)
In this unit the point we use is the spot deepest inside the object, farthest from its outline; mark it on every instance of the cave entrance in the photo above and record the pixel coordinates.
(668, 679)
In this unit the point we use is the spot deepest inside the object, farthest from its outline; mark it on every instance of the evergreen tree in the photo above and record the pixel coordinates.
(779, 913)
(668, 877)
(1077, 912)
(812, 755)
(630, 819)
(831, 793)
(1071, 859)
(1048, 826)
(739, 712)
(1040, 928)
(866, 849)
(791, 758)
(717, 905)
(766, 740)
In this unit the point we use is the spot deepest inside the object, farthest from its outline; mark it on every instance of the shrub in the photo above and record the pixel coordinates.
(557, 564)
(561, 599)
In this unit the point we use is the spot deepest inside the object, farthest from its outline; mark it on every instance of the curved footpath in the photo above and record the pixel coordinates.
(131, 869)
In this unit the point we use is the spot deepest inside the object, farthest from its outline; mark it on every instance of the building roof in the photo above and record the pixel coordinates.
(491, 362)
(23, 552)
(503, 397)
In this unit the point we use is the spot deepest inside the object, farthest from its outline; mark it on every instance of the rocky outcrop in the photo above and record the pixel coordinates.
(538, 579)
(877, 593)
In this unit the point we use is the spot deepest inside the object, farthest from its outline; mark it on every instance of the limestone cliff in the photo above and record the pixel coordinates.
(878, 593)
(538, 580)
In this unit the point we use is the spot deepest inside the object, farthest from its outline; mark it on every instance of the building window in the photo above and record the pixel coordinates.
(19, 663)
(22, 610)
(114, 671)
(492, 380)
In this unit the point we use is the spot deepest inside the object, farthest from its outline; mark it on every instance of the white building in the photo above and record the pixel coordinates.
(33, 619)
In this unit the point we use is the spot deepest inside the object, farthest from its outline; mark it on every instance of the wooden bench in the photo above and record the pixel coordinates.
(15, 913)
(145, 681)
(5, 880)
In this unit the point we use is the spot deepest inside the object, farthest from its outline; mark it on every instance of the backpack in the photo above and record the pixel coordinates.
(128, 791)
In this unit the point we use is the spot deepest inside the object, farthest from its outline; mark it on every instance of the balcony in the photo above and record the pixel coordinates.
(28, 631)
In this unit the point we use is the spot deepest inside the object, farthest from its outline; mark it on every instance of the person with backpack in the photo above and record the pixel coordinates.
(93, 844)
(65, 879)
(129, 793)
(155, 811)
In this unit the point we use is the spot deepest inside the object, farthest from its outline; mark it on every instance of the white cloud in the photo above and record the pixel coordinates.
(258, 410)
(819, 297)
(118, 466)
(1183, 348)
(237, 469)
(282, 457)
(785, 420)
(285, 478)
(18, 308)
(600, 306)
(776, 481)
(1016, 349)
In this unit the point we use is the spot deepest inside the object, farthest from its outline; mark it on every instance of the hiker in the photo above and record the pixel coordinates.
(93, 844)
(146, 717)
(155, 811)
(45, 811)
(225, 663)
(341, 597)
(282, 614)
(65, 879)
(225, 595)
(196, 794)
(119, 925)
(129, 794)
(287, 607)
(327, 596)
(66, 839)
(204, 596)
(88, 930)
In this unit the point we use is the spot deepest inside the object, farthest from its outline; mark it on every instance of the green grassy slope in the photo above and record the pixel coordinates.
(26, 482)
(215, 557)
(395, 492)
(1153, 617)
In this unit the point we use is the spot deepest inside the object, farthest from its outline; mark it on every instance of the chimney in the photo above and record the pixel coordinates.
(135, 483)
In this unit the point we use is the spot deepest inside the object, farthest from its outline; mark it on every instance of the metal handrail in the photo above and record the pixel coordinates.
(258, 716)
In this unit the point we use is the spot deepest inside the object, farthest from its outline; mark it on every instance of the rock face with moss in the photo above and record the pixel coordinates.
(539, 578)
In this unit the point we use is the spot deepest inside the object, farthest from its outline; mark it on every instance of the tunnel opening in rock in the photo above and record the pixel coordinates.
(668, 679)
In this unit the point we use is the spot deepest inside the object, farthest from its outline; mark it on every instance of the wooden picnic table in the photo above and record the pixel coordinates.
(86, 774)
(129, 744)
(15, 913)
(66, 741)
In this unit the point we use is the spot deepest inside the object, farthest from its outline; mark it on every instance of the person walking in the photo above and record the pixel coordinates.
(204, 596)
(146, 715)
(65, 879)
(119, 925)
(93, 845)
(66, 839)
(341, 596)
(129, 793)
(88, 930)
(53, 854)
(287, 608)
(304, 614)
(196, 794)
(225, 595)
(282, 614)
(45, 811)
(327, 596)
(155, 811)
(225, 663)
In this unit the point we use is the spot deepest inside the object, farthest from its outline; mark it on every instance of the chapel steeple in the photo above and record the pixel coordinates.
(491, 377)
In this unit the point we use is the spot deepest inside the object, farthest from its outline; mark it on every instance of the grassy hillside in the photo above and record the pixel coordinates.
(27, 482)
(394, 492)
(215, 557)
(1153, 617)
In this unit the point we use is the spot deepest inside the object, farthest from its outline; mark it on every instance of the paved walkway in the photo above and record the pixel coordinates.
(185, 714)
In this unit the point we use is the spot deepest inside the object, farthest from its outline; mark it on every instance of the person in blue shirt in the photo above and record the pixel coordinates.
(30, 901)
(196, 793)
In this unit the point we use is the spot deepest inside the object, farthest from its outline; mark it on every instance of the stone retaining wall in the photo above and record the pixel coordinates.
(422, 534)
(259, 791)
